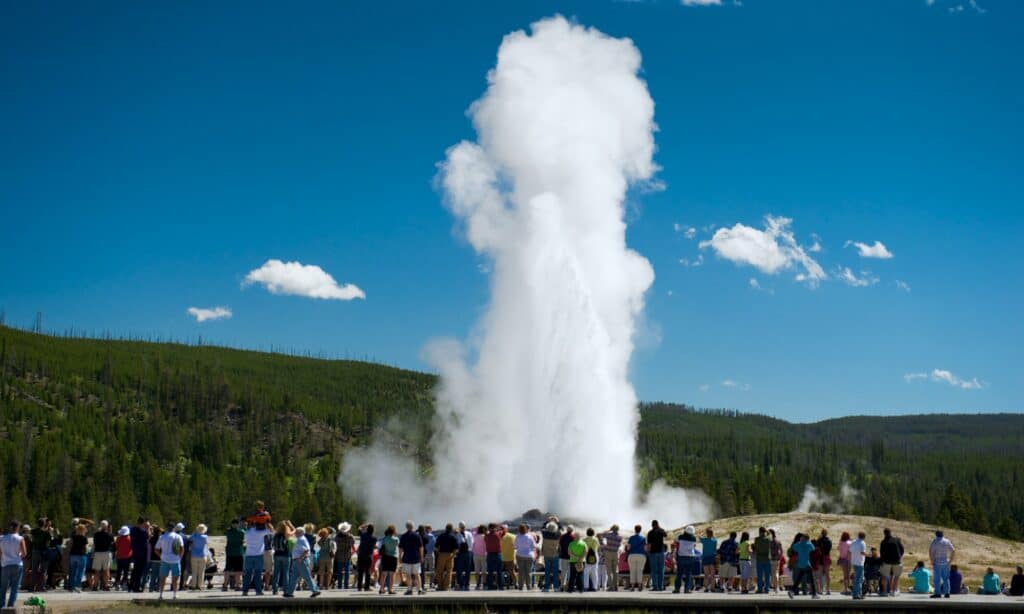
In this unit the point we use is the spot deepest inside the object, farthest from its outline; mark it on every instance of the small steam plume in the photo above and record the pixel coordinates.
(817, 500)
(539, 411)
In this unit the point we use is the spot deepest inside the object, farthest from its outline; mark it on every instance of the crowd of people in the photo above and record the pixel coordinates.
(261, 556)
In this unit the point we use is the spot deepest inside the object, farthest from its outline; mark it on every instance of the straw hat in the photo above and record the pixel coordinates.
(344, 527)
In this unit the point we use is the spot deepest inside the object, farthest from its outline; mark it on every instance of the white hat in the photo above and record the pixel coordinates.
(689, 530)
(124, 531)
(179, 527)
(104, 523)
(344, 527)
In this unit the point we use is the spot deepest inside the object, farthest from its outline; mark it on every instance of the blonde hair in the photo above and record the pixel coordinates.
(201, 529)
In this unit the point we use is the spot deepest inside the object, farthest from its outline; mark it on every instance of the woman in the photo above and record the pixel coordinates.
(637, 549)
(480, 555)
(745, 567)
(844, 560)
(153, 570)
(325, 562)
(591, 562)
(824, 574)
(525, 546)
(123, 552)
(364, 556)
(388, 559)
(281, 547)
(77, 558)
(709, 547)
(200, 556)
(344, 548)
(776, 556)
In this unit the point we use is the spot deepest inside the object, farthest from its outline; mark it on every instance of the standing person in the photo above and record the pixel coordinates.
(199, 555)
(169, 549)
(525, 547)
(549, 551)
(777, 551)
(281, 546)
(234, 555)
(325, 560)
(858, 552)
(492, 542)
(186, 557)
(563, 555)
(591, 562)
(412, 550)
(13, 552)
(463, 557)
(139, 535)
(656, 548)
(577, 554)
(941, 553)
(825, 569)
(763, 560)
(709, 550)
(388, 560)
(611, 543)
(77, 558)
(729, 555)
(637, 558)
(256, 537)
(802, 573)
(479, 549)
(364, 556)
(745, 567)
(153, 569)
(345, 545)
(429, 556)
(447, 546)
(891, 551)
(686, 559)
(123, 553)
(41, 536)
(844, 560)
(301, 551)
(508, 556)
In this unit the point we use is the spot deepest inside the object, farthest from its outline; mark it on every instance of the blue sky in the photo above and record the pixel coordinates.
(153, 154)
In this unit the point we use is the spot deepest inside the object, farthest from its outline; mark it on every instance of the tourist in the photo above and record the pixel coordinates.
(891, 551)
(447, 546)
(77, 558)
(591, 562)
(577, 555)
(364, 556)
(123, 553)
(990, 583)
(300, 554)
(686, 559)
(13, 551)
(492, 544)
(611, 543)
(729, 555)
(941, 553)
(563, 555)
(1016, 588)
(186, 557)
(762, 550)
(844, 560)
(344, 548)
(325, 557)
(153, 568)
(824, 575)
(411, 550)
(234, 555)
(200, 555)
(464, 557)
(102, 557)
(956, 580)
(479, 549)
(802, 574)
(388, 560)
(508, 556)
(169, 549)
(922, 579)
(550, 537)
(777, 559)
(636, 548)
(255, 547)
(873, 570)
(857, 554)
(41, 536)
(708, 558)
(524, 549)
(281, 545)
(745, 567)
(656, 538)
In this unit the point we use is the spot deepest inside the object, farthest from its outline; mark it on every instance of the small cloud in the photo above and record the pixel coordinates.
(705, 387)
(687, 231)
(701, 2)
(816, 246)
(878, 250)
(771, 250)
(756, 285)
(902, 285)
(669, 293)
(729, 383)
(944, 376)
(677, 227)
(202, 314)
(695, 262)
(850, 278)
(300, 279)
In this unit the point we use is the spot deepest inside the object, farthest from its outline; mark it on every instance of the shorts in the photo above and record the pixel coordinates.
(826, 561)
(234, 563)
(745, 570)
(411, 569)
(728, 571)
(325, 564)
(889, 569)
(101, 561)
(174, 569)
(388, 563)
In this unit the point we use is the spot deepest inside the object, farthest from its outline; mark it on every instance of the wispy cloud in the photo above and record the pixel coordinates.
(851, 279)
(692, 262)
(877, 250)
(687, 231)
(942, 375)
(902, 285)
(701, 2)
(730, 383)
(771, 250)
(300, 279)
(756, 285)
(202, 314)
(816, 246)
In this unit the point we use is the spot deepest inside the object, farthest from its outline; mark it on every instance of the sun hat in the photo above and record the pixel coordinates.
(179, 527)
(344, 527)
(124, 531)
(689, 530)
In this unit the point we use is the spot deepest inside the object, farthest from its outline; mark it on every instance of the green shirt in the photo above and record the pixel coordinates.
(577, 550)
(235, 539)
(389, 546)
(744, 551)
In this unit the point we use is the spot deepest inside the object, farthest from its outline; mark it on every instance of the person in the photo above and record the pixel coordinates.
(261, 517)
(153, 570)
(563, 555)
(941, 553)
(636, 548)
(508, 556)
(746, 571)
(447, 546)
(844, 560)
(891, 551)
(1016, 588)
(364, 556)
(492, 543)
(873, 570)
(169, 549)
(990, 583)
(123, 554)
(464, 557)
(412, 550)
(686, 559)
(479, 549)
(591, 561)
(577, 556)
(325, 559)
(301, 551)
(802, 574)
(777, 561)
(656, 548)
(281, 546)
(611, 543)
(13, 552)
(708, 557)
(186, 556)
(255, 545)
(956, 580)
(40, 538)
(77, 557)
(344, 547)
(549, 551)
(824, 575)
(856, 551)
(762, 550)
(729, 555)
(139, 535)
(922, 578)
(524, 548)
(388, 560)
(234, 555)
(200, 554)
(426, 532)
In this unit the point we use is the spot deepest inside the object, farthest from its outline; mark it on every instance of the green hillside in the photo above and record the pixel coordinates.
(111, 428)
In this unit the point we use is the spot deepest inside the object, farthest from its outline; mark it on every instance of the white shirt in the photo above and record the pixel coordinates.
(858, 552)
(167, 544)
(685, 547)
(941, 550)
(254, 541)
(10, 548)
(301, 547)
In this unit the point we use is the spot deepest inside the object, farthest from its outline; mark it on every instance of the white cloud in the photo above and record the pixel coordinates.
(848, 276)
(729, 383)
(877, 250)
(677, 227)
(688, 231)
(300, 279)
(701, 2)
(202, 314)
(816, 246)
(902, 285)
(771, 250)
(695, 262)
(942, 375)
(756, 285)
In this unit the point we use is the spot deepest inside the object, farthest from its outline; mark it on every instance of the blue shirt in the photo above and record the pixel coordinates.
(637, 544)
(803, 552)
(922, 580)
(709, 546)
(428, 543)
(730, 554)
(199, 543)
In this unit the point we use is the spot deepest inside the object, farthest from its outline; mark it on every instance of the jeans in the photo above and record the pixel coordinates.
(575, 582)
(495, 570)
(139, 565)
(76, 570)
(764, 576)
(300, 568)
(858, 580)
(124, 568)
(282, 567)
(10, 580)
(802, 575)
(552, 573)
(40, 567)
(657, 560)
(153, 573)
(942, 578)
(363, 573)
(684, 569)
(342, 571)
(463, 570)
(252, 574)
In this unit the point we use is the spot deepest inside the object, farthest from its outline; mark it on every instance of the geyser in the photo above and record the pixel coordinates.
(542, 414)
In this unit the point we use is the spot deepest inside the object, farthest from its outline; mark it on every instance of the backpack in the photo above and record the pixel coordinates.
(591, 557)
(280, 544)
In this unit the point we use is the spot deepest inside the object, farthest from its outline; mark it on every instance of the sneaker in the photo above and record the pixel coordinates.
(676, 591)
(287, 596)
(790, 593)
(935, 596)
(408, 592)
(815, 596)
(946, 595)
(422, 592)
(314, 594)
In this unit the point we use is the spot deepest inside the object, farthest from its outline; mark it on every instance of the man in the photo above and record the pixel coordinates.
(729, 554)
(256, 537)
(858, 555)
(709, 552)
(447, 546)
(656, 548)
(941, 553)
(803, 572)
(13, 551)
(169, 548)
(825, 569)
(891, 550)
(139, 535)
(492, 545)
(410, 553)
(102, 557)
(300, 554)
(686, 558)
(611, 543)
(549, 547)
(234, 555)
(577, 553)
(563, 555)
(429, 556)
(464, 557)
(763, 560)
(508, 556)
(40, 537)
(346, 543)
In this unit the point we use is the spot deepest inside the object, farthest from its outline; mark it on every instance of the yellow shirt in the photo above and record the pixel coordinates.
(508, 547)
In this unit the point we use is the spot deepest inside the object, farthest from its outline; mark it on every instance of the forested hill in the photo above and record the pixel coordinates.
(114, 428)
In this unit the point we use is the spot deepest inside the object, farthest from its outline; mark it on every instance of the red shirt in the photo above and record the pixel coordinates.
(123, 544)
(492, 541)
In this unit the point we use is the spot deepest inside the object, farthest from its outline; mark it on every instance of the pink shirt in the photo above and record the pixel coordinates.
(844, 550)
(479, 547)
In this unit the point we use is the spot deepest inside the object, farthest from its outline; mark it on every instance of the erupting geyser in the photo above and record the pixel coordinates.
(543, 416)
